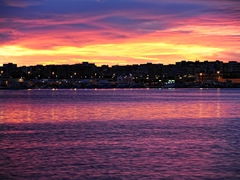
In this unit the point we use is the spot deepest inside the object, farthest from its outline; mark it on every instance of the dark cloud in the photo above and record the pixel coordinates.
(21, 3)
(91, 8)
(113, 35)
(6, 36)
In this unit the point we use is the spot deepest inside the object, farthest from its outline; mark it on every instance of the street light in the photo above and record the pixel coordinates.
(201, 76)
(218, 73)
(53, 75)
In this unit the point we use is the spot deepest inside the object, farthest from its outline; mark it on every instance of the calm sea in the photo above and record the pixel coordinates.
(120, 134)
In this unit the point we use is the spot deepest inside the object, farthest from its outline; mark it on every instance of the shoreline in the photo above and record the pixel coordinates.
(119, 88)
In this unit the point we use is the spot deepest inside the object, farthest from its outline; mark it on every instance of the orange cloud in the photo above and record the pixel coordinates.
(119, 32)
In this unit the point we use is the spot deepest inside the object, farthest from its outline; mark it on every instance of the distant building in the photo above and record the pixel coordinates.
(8, 69)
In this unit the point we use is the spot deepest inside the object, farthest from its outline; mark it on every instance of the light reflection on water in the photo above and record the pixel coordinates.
(120, 134)
(66, 105)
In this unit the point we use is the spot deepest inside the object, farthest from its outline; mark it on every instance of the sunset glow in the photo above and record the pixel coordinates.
(118, 32)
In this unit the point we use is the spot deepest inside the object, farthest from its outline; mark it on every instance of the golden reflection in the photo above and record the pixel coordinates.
(218, 110)
(1, 114)
(53, 113)
(28, 114)
(200, 110)
(75, 112)
(16, 112)
(112, 111)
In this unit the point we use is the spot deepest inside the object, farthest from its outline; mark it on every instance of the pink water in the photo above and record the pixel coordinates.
(120, 134)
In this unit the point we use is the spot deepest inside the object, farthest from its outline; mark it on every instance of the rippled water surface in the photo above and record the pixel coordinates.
(120, 134)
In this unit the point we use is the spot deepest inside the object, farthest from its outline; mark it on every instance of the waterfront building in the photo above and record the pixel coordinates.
(184, 73)
(8, 69)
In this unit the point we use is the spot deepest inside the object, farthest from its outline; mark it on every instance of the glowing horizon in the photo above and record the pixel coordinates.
(120, 32)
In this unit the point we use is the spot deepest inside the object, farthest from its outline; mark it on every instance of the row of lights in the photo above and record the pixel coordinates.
(157, 77)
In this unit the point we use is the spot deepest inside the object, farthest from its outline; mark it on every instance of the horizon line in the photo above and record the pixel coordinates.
(197, 60)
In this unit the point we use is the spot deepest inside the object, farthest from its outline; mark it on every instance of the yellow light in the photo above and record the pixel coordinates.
(20, 80)
(117, 53)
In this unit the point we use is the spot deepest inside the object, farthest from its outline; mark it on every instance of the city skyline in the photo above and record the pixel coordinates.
(112, 65)
(118, 32)
(183, 74)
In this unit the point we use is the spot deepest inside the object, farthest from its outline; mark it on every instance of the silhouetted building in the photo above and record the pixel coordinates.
(8, 69)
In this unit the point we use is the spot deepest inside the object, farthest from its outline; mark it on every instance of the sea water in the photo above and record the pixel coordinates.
(120, 134)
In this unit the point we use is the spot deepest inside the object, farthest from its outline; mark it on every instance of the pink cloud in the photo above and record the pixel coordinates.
(22, 3)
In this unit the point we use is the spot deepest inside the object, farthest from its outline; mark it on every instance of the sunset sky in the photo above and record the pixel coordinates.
(118, 31)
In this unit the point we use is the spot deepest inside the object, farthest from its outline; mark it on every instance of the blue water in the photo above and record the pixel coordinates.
(120, 134)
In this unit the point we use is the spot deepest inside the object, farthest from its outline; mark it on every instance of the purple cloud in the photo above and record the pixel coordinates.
(119, 17)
